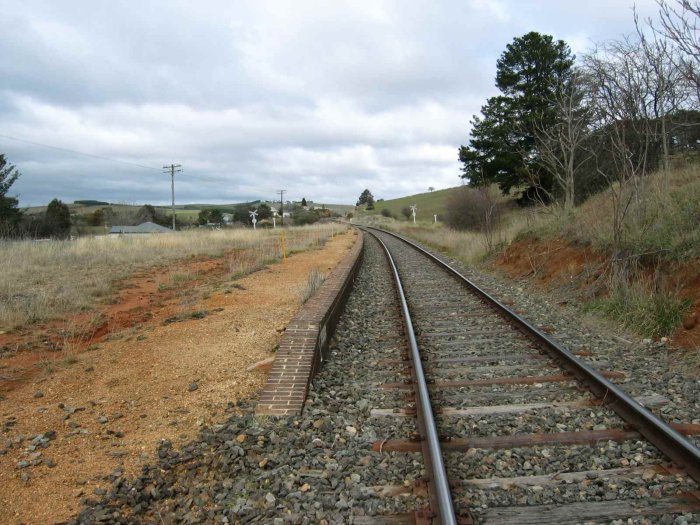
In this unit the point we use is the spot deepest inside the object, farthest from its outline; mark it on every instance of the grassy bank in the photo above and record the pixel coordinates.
(45, 280)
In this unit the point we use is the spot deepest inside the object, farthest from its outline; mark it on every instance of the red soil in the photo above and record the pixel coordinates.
(555, 263)
(140, 299)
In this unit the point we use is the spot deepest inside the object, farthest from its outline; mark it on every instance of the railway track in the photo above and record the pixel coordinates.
(522, 441)
(512, 427)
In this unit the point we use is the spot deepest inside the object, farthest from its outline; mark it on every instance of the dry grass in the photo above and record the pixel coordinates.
(46, 280)
(467, 246)
(658, 223)
(313, 284)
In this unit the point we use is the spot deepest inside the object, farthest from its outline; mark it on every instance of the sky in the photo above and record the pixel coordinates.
(321, 99)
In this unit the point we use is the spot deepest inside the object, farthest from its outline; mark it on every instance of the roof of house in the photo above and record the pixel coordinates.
(145, 227)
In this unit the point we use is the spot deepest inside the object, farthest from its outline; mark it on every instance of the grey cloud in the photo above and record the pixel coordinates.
(322, 99)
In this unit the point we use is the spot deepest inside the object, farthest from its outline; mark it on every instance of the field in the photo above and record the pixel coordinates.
(48, 279)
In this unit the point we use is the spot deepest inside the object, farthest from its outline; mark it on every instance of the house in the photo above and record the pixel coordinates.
(145, 227)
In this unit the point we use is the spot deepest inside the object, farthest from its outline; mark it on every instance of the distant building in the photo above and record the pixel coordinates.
(145, 227)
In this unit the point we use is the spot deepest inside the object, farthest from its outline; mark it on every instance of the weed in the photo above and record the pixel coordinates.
(182, 277)
(198, 314)
(636, 306)
(313, 283)
(48, 366)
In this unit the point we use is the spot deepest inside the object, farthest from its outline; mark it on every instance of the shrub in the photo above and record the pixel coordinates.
(302, 217)
(473, 209)
(386, 212)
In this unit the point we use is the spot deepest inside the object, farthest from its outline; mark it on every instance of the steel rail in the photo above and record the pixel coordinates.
(440, 495)
(679, 449)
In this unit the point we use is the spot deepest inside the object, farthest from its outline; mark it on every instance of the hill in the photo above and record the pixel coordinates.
(428, 204)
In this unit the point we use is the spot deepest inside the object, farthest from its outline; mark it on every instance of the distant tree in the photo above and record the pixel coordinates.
(10, 214)
(57, 219)
(406, 211)
(97, 218)
(386, 212)
(502, 145)
(303, 201)
(240, 213)
(431, 188)
(265, 212)
(216, 216)
(302, 216)
(146, 213)
(204, 217)
(366, 198)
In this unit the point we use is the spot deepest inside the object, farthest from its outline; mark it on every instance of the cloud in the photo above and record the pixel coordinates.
(320, 98)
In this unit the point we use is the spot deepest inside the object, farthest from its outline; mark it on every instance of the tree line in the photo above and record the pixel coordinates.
(562, 129)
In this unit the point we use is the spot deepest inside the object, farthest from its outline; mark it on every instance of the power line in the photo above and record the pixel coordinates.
(78, 152)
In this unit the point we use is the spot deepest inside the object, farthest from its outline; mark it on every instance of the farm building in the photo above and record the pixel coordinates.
(144, 227)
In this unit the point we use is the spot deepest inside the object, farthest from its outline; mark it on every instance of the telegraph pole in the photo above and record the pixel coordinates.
(172, 169)
(281, 193)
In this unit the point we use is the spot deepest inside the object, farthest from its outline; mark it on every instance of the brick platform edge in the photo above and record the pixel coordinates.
(305, 341)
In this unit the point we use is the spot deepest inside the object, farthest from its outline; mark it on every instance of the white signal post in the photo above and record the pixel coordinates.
(435, 217)
(414, 207)
(253, 216)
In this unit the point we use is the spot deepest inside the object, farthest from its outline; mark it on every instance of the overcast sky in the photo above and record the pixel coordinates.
(320, 98)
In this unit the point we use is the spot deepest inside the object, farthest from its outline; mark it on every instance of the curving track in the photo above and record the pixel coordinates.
(524, 431)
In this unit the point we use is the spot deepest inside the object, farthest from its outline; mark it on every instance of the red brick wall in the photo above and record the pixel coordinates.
(305, 340)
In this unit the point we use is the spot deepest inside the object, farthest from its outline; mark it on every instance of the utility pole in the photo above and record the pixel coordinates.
(281, 194)
(172, 169)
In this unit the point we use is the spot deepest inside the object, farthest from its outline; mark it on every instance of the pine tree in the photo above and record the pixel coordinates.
(10, 214)
(502, 145)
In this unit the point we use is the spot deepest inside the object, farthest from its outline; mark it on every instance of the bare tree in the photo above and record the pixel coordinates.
(667, 87)
(679, 24)
(622, 139)
(561, 145)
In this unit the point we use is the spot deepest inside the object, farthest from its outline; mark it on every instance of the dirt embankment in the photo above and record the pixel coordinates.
(558, 266)
(92, 395)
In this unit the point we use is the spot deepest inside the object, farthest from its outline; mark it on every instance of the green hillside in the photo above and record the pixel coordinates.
(428, 204)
